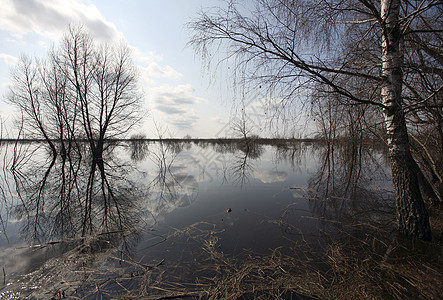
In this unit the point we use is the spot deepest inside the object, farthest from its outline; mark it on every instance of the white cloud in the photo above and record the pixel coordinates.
(174, 96)
(9, 59)
(271, 176)
(150, 72)
(219, 120)
(5, 82)
(36, 24)
(177, 103)
(51, 18)
(149, 65)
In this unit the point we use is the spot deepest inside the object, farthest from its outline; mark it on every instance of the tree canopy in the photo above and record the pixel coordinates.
(82, 90)
(381, 59)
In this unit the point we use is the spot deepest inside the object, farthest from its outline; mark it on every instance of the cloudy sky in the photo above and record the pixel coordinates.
(180, 95)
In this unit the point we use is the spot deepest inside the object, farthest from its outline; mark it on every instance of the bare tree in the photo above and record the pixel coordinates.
(293, 46)
(28, 95)
(423, 93)
(83, 90)
(242, 129)
(104, 82)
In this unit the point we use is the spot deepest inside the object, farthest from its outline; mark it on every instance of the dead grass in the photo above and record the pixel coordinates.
(348, 267)
(368, 263)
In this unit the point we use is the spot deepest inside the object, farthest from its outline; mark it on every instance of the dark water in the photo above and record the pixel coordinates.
(173, 209)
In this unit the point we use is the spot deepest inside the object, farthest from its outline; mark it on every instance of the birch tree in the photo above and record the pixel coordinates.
(352, 49)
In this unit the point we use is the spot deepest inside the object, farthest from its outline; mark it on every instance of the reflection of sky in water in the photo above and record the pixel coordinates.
(202, 175)
(255, 201)
(254, 190)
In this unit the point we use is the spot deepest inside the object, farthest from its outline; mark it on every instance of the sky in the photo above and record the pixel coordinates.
(181, 95)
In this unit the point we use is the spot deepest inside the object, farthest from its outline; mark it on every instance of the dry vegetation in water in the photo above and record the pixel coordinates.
(356, 262)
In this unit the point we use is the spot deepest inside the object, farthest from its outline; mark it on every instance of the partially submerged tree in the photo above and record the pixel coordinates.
(82, 90)
(104, 82)
(352, 49)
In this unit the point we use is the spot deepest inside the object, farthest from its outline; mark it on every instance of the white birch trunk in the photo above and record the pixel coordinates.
(412, 216)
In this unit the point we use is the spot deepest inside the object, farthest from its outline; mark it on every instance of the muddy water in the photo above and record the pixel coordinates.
(173, 207)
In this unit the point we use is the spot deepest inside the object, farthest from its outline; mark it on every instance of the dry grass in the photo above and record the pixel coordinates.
(368, 263)
(348, 266)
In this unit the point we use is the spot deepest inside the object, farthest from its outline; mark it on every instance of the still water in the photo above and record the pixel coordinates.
(173, 213)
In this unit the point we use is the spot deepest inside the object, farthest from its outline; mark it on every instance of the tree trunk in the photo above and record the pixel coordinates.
(412, 217)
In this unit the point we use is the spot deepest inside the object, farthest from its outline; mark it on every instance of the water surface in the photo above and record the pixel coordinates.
(174, 210)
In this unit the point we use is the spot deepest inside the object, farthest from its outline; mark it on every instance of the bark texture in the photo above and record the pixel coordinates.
(412, 216)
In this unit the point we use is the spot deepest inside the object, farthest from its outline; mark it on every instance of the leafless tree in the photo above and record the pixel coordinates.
(243, 129)
(240, 125)
(104, 82)
(83, 90)
(353, 49)
(28, 95)
(423, 98)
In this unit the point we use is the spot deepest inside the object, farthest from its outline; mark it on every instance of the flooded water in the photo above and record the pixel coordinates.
(154, 217)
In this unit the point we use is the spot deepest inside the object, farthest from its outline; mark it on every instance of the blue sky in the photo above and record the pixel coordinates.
(181, 95)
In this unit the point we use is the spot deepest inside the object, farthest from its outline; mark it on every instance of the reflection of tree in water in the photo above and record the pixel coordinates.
(91, 213)
(348, 186)
(240, 168)
(139, 149)
(294, 153)
(74, 195)
(222, 147)
(243, 164)
(171, 187)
